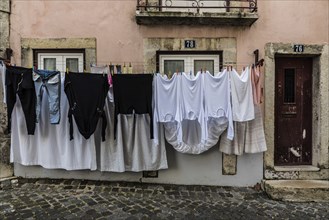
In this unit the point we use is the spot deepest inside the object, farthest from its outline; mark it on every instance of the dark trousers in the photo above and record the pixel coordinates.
(19, 81)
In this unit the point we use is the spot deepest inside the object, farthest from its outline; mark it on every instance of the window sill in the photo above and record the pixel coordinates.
(308, 168)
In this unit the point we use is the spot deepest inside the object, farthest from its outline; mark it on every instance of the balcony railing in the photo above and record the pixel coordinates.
(197, 6)
(196, 12)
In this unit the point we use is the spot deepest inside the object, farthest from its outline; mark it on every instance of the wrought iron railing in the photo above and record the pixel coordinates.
(197, 5)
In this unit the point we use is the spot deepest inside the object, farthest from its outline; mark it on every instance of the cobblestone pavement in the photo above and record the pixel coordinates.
(78, 199)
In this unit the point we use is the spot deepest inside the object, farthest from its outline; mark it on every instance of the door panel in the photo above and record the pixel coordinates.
(293, 111)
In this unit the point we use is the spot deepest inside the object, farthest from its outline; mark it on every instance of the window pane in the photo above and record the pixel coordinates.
(72, 64)
(289, 85)
(172, 66)
(49, 64)
(204, 65)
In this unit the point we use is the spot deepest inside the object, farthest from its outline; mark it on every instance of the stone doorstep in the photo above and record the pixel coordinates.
(298, 190)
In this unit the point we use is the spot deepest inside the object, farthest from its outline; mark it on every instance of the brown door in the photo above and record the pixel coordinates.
(293, 111)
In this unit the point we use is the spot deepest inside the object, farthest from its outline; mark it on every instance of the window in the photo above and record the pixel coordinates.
(60, 60)
(189, 63)
(289, 86)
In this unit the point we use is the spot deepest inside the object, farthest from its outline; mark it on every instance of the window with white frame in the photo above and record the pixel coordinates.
(189, 63)
(61, 61)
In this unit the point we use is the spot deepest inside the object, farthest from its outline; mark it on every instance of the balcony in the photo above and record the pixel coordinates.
(196, 12)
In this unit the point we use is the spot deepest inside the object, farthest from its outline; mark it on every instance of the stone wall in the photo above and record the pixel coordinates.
(4, 26)
(6, 169)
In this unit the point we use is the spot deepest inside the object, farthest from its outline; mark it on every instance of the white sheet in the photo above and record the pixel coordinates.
(51, 147)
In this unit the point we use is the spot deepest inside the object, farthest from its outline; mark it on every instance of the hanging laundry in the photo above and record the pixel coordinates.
(3, 79)
(86, 94)
(167, 105)
(218, 104)
(133, 95)
(105, 70)
(133, 150)
(191, 135)
(242, 100)
(257, 87)
(255, 136)
(194, 110)
(51, 146)
(48, 82)
(249, 133)
(19, 82)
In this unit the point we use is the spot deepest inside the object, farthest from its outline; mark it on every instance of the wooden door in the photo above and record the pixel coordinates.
(293, 111)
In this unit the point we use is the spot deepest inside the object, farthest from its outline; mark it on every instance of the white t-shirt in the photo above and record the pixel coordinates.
(192, 96)
(242, 99)
(166, 103)
(217, 100)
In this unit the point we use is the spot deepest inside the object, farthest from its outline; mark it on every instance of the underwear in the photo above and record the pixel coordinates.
(86, 94)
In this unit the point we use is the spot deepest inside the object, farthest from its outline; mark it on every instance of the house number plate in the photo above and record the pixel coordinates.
(190, 44)
(298, 48)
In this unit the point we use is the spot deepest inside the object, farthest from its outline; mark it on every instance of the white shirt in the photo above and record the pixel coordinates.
(242, 99)
(192, 96)
(166, 102)
(217, 99)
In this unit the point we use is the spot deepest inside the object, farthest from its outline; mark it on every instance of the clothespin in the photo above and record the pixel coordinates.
(124, 69)
(130, 69)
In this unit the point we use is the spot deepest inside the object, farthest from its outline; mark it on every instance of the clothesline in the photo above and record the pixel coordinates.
(210, 104)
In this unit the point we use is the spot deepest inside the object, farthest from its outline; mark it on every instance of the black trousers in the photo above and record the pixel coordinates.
(86, 94)
(19, 81)
(133, 94)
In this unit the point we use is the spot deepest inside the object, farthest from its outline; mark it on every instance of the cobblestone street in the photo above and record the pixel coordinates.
(75, 199)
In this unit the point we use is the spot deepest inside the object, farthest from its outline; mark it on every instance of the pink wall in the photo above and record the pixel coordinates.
(120, 39)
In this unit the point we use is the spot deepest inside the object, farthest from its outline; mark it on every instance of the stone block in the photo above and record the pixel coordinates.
(229, 164)
(298, 190)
